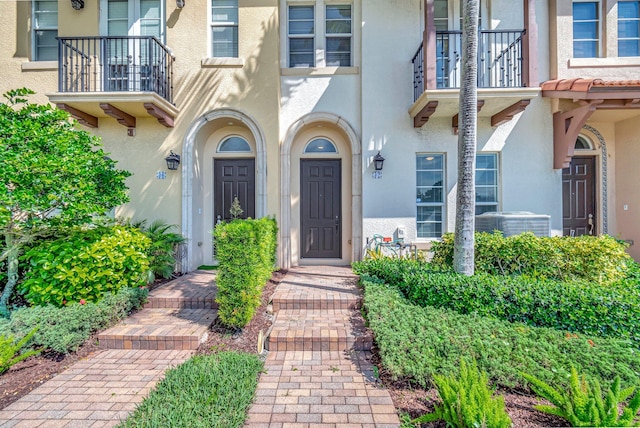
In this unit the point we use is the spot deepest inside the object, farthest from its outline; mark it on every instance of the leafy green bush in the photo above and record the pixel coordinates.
(84, 265)
(205, 391)
(609, 311)
(246, 252)
(467, 401)
(600, 259)
(417, 342)
(10, 350)
(64, 329)
(583, 406)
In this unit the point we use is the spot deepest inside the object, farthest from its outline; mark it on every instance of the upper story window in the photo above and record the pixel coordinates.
(45, 30)
(486, 182)
(338, 35)
(629, 28)
(133, 18)
(586, 29)
(320, 35)
(429, 194)
(224, 28)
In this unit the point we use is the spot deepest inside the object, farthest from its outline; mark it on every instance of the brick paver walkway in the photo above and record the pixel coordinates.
(101, 390)
(317, 373)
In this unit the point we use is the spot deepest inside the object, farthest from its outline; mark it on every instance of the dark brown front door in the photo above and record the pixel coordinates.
(234, 178)
(579, 197)
(321, 210)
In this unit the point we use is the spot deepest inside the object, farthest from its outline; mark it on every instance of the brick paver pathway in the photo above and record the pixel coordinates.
(104, 388)
(317, 373)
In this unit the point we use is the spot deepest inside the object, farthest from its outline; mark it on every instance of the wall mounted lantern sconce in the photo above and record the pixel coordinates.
(378, 161)
(180, 4)
(77, 4)
(173, 160)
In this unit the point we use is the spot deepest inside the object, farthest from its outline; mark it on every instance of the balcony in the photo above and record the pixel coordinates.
(122, 77)
(502, 57)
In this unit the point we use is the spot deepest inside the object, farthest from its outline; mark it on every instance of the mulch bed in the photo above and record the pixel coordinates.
(31, 373)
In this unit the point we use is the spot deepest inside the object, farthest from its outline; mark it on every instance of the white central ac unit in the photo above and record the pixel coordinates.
(514, 223)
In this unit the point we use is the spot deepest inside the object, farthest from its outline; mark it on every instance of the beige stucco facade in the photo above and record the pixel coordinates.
(362, 108)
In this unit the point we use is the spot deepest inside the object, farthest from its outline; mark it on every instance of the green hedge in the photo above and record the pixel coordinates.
(417, 342)
(205, 391)
(606, 310)
(246, 250)
(64, 329)
(599, 259)
(84, 265)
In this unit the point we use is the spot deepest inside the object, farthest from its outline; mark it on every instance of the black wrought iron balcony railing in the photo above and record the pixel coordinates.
(500, 60)
(115, 64)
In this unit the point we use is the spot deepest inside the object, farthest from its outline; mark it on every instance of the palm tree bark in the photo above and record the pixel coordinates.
(463, 253)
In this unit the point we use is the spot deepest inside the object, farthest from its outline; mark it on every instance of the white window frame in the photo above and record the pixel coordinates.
(348, 35)
(497, 185)
(34, 29)
(320, 35)
(637, 39)
(600, 20)
(133, 17)
(441, 204)
(302, 36)
(224, 24)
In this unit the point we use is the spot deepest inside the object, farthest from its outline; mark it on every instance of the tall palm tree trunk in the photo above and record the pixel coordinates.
(463, 253)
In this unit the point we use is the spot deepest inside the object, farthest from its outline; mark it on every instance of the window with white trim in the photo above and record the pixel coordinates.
(586, 29)
(224, 28)
(45, 30)
(430, 172)
(487, 179)
(629, 28)
(319, 35)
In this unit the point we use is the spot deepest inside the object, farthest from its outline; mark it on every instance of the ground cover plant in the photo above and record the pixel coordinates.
(64, 329)
(582, 404)
(246, 251)
(417, 343)
(206, 391)
(12, 352)
(610, 310)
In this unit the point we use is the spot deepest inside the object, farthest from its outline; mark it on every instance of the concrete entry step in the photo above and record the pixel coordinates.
(158, 329)
(318, 330)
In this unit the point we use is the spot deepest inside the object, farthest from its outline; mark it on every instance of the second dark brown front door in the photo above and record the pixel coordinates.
(234, 178)
(579, 197)
(321, 210)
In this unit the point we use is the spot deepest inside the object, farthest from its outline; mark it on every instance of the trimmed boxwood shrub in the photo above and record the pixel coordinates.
(64, 329)
(418, 342)
(84, 265)
(599, 259)
(246, 251)
(578, 306)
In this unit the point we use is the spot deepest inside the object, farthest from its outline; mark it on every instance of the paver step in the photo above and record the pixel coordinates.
(160, 329)
(318, 330)
(301, 290)
(193, 291)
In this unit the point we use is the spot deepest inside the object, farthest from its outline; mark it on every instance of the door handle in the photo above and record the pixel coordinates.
(590, 224)
(337, 222)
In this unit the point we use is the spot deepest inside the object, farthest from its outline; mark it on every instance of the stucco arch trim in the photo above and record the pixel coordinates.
(285, 253)
(189, 151)
(604, 192)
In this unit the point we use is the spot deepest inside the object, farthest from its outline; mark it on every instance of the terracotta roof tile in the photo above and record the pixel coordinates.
(584, 85)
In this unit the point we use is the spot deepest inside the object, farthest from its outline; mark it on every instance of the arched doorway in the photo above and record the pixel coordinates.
(321, 204)
(224, 156)
(580, 214)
